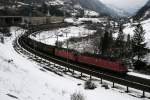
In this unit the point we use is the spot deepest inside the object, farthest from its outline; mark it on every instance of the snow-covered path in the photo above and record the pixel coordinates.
(22, 79)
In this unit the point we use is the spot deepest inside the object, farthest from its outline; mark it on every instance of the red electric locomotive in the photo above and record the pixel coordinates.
(66, 54)
(111, 65)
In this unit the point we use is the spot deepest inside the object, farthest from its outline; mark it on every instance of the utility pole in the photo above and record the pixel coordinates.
(67, 50)
(57, 39)
(2, 38)
(48, 15)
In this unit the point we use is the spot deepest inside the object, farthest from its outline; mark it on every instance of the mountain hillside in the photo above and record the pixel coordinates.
(97, 6)
(94, 5)
(119, 11)
(144, 12)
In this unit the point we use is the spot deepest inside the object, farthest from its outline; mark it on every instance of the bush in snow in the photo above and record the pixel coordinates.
(58, 44)
(89, 85)
(139, 65)
(105, 86)
(74, 39)
(77, 96)
(148, 68)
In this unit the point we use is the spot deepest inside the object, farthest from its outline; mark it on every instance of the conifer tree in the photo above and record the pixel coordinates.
(120, 42)
(106, 42)
(138, 42)
(128, 47)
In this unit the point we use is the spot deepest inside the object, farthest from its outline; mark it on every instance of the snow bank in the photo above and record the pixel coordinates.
(139, 75)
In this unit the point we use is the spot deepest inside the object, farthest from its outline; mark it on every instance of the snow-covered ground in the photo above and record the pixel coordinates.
(91, 13)
(22, 79)
(55, 2)
(139, 75)
(81, 20)
(62, 34)
(50, 37)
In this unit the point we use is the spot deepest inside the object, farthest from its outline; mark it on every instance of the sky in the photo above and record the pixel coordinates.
(127, 5)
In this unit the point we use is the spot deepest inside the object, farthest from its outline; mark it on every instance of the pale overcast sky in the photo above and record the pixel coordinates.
(126, 4)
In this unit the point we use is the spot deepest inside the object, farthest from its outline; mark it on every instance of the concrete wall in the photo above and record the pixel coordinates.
(10, 20)
(16, 20)
(41, 20)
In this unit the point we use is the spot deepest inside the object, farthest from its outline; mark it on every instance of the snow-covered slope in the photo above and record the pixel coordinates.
(119, 11)
(22, 79)
(90, 13)
(129, 6)
(55, 2)
(146, 25)
(144, 12)
(50, 37)
(129, 29)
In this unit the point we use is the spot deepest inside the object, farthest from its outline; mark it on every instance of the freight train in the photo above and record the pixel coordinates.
(75, 57)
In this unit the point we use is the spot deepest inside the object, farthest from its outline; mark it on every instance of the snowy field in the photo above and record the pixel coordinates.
(50, 37)
(22, 79)
(81, 20)
(62, 34)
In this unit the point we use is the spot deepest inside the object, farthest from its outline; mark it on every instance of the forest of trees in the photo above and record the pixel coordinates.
(132, 48)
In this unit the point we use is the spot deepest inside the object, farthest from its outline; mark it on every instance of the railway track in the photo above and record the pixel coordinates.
(128, 81)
